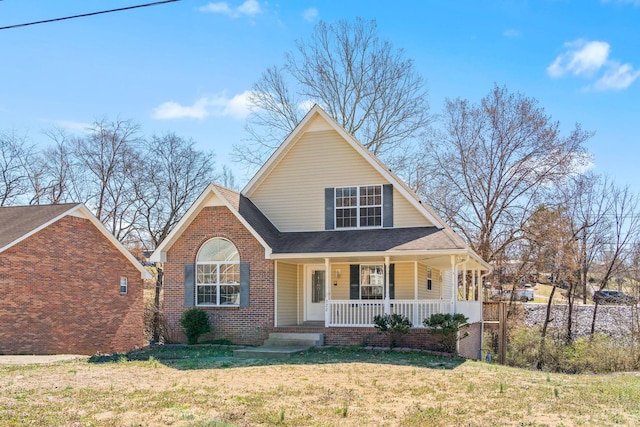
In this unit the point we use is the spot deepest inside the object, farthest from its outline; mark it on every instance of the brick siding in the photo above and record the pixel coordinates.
(61, 293)
(241, 325)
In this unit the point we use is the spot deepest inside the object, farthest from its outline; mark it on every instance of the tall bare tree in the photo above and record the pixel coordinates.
(623, 219)
(493, 163)
(15, 155)
(175, 173)
(109, 157)
(370, 88)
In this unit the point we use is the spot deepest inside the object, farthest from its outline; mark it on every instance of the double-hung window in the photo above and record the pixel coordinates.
(358, 206)
(429, 278)
(371, 281)
(218, 274)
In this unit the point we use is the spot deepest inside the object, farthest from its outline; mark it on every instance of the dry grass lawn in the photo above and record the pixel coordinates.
(354, 387)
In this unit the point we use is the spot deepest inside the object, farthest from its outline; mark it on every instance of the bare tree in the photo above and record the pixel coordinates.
(494, 162)
(15, 154)
(109, 158)
(370, 88)
(624, 225)
(52, 172)
(175, 173)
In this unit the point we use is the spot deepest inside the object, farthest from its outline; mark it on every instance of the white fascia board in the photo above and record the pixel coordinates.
(144, 274)
(274, 159)
(41, 227)
(160, 254)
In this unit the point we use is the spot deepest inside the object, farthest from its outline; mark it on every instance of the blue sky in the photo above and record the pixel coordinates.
(187, 66)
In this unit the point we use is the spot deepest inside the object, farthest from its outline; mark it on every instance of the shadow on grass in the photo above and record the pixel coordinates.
(184, 357)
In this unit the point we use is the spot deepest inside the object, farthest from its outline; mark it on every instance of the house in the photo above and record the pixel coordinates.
(324, 237)
(66, 284)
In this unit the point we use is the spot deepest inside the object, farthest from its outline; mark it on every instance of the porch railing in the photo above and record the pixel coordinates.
(362, 312)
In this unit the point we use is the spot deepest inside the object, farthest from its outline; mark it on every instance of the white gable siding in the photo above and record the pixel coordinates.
(292, 195)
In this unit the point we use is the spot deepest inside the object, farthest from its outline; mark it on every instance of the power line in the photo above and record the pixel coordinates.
(88, 14)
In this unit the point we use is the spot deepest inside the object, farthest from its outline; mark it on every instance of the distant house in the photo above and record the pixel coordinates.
(66, 284)
(323, 238)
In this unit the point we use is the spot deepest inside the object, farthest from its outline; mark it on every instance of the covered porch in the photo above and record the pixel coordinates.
(349, 291)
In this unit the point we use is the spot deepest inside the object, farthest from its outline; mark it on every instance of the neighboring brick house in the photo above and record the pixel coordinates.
(325, 237)
(66, 284)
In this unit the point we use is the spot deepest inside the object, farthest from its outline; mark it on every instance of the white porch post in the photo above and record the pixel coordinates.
(387, 304)
(454, 284)
(415, 293)
(327, 292)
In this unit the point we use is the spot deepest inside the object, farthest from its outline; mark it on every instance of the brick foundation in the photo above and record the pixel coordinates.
(61, 293)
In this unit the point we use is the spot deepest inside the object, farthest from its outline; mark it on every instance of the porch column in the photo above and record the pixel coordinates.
(454, 284)
(327, 292)
(387, 304)
(415, 280)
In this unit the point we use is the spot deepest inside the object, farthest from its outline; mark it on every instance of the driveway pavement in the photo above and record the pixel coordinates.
(30, 359)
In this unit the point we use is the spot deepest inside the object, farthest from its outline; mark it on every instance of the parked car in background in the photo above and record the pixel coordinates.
(607, 296)
(523, 295)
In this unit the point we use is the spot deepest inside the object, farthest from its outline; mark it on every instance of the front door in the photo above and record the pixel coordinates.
(315, 291)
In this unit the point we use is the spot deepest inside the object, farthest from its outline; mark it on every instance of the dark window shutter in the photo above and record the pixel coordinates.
(387, 205)
(392, 281)
(189, 285)
(244, 284)
(354, 280)
(329, 215)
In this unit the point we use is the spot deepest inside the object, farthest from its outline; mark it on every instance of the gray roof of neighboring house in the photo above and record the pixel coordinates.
(17, 221)
(414, 238)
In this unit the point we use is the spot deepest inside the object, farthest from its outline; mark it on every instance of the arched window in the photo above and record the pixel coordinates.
(218, 274)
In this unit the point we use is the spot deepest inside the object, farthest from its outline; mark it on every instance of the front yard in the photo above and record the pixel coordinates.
(205, 386)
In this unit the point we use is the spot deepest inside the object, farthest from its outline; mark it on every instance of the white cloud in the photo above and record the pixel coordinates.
(633, 2)
(236, 107)
(511, 33)
(590, 59)
(248, 8)
(310, 14)
(617, 77)
(581, 57)
(71, 125)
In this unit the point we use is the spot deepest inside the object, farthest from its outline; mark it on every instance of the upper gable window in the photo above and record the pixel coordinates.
(358, 206)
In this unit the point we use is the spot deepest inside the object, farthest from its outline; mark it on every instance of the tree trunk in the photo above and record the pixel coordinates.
(156, 307)
(543, 335)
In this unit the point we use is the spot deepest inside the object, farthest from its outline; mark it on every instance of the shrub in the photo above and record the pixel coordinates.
(393, 325)
(194, 322)
(596, 354)
(448, 326)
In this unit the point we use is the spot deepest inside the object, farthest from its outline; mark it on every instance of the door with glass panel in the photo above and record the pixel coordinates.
(315, 293)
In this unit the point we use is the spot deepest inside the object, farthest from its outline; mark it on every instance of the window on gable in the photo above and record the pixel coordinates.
(124, 285)
(218, 274)
(358, 206)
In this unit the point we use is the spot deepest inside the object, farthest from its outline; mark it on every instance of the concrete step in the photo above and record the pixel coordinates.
(316, 338)
(282, 344)
(285, 342)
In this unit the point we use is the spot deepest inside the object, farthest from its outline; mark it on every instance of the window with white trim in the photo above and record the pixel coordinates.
(429, 278)
(371, 281)
(358, 206)
(218, 274)
(124, 285)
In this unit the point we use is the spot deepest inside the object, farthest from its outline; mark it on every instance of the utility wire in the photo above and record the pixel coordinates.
(88, 14)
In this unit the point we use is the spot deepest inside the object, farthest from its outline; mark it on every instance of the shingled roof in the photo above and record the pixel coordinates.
(366, 240)
(19, 221)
